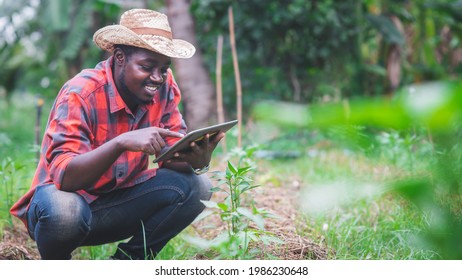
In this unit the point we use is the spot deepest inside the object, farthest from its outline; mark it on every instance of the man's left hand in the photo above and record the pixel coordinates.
(200, 153)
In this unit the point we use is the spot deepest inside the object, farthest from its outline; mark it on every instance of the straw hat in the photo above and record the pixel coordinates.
(143, 29)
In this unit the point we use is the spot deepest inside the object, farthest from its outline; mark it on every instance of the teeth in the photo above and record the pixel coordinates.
(151, 88)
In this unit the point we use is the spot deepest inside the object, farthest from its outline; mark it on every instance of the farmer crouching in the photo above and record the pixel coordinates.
(93, 184)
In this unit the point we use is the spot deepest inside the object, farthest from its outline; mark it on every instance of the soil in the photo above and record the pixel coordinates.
(280, 200)
(17, 245)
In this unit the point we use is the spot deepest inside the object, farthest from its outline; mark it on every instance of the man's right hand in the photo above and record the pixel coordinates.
(85, 169)
(149, 140)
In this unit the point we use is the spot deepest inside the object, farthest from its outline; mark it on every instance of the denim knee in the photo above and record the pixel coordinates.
(203, 187)
(192, 188)
(58, 215)
(200, 190)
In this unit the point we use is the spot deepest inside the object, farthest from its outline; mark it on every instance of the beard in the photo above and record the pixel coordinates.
(128, 93)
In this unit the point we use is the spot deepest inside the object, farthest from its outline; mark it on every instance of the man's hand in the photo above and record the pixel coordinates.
(85, 169)
(200, 153)
(149, 140)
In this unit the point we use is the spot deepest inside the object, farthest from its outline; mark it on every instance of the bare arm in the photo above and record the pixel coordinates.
(85, 169)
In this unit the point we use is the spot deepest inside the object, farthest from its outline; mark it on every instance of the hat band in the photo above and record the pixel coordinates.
(152, 31)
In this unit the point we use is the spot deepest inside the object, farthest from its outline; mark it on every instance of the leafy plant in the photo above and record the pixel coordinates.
(8, 177)
(245, 223)
(232, 211)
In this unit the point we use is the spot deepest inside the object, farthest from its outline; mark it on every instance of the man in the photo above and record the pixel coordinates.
(93, 184)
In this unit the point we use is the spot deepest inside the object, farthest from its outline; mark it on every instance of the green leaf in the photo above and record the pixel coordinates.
(77, 34)
(223, 206)
(387, 28)
(225, 216)
(249, 187)
(418, 191)
(58, 14)
(232, 168)
(199, 242)
(244, 170)
(258, 220)
(204, 214)
(210, 204)
(216, 189)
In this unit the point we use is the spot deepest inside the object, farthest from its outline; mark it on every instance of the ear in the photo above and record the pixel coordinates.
(119, 56)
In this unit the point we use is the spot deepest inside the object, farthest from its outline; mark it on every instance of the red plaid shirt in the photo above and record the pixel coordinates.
(88, 112)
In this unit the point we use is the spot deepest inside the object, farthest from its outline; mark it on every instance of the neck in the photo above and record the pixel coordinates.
(124, 92)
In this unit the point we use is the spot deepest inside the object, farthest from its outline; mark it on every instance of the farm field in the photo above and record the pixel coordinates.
(326, 201)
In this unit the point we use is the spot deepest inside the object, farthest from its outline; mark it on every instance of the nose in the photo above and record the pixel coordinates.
(156, 76)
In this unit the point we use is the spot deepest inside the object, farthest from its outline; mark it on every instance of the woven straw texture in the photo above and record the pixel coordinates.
(144, 29)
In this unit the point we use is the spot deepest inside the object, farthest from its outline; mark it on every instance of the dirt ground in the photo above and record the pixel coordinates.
(17, 245)
(283, 201)
(280, 200)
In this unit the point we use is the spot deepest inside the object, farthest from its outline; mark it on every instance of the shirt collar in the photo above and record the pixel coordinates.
(116, 103)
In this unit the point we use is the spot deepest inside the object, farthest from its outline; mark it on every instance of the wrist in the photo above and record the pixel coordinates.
(119, 144)
(199, 171)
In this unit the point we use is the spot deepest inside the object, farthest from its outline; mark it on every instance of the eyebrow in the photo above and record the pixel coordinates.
(155, 61)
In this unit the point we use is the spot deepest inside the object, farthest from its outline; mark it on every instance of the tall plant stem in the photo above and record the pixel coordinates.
(234, 202)
(236, 74)
(220, 111)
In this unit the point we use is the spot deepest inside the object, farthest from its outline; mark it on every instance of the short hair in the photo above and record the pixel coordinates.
(128, 50)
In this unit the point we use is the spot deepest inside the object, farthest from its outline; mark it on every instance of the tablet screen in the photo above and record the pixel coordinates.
(195, 136)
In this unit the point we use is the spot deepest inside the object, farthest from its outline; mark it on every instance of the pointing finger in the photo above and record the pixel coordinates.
(166, 132)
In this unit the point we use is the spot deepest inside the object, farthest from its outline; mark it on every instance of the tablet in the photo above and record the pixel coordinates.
(195, 136)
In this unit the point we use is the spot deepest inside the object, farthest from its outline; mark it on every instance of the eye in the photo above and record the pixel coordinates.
(146, 67)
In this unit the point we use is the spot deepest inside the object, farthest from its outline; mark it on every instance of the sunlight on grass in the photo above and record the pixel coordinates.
(354, 221)
(414, 136)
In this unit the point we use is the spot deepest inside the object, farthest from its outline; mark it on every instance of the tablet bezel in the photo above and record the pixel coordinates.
(195, 135)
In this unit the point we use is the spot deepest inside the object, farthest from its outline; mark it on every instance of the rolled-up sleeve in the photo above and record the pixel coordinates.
(69, 135)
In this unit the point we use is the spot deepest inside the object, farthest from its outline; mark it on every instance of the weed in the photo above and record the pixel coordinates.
(9, 177)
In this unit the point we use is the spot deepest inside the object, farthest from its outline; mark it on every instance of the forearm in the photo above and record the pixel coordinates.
(85, 169)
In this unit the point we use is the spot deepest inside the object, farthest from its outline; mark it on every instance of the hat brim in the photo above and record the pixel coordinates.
(107, 37)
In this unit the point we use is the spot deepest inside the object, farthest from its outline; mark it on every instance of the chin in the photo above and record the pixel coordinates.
(146, 101)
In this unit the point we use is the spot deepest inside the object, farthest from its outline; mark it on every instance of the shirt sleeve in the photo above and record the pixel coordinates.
(69, 135)
(172, 118)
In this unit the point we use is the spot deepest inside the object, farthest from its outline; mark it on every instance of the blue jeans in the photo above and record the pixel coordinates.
(151, 213)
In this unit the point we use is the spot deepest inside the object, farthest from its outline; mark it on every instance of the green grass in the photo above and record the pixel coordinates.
(358, 218)
(373, 230)
(176, 249)
(100, 252)
(18, 153)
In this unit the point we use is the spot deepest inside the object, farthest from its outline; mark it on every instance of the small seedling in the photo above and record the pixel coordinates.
(245, 223)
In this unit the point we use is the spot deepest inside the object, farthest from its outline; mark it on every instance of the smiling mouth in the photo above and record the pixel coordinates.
(152, 89)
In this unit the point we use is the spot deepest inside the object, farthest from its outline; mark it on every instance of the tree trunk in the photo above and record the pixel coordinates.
(192, 77)
(393, 59)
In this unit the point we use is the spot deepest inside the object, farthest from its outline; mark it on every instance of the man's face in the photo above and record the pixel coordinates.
(139, 75)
